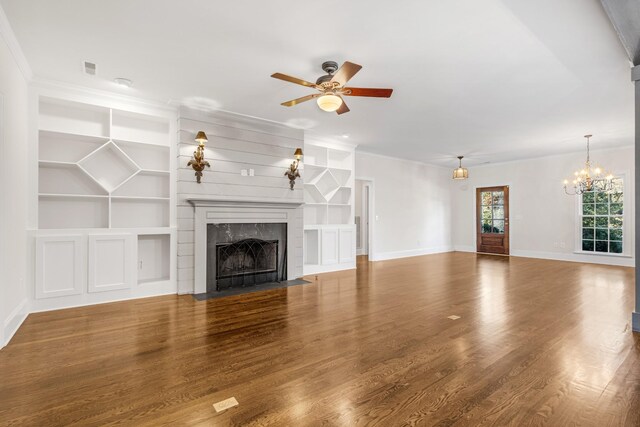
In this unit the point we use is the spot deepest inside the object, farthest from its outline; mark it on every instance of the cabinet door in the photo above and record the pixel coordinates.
(347, 245)
(59, 266)
(111, 262)
(329, 246)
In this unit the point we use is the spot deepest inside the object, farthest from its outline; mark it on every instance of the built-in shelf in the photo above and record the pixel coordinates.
(109, 163)
(329, 230)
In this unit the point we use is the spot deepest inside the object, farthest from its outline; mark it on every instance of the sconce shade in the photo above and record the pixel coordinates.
(201, 137)
(329, 102)
(298, 153)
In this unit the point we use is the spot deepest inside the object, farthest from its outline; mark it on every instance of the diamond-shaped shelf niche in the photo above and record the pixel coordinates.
(109, 166)
(311, 173)
(327, 184)
(312, 195)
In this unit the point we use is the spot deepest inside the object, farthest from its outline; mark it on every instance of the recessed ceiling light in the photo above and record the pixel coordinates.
(121, 81)
(345, 135)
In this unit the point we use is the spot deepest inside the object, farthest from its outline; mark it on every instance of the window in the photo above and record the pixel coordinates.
(602, 218)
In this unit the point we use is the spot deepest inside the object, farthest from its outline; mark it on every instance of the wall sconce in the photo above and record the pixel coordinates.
(292, 173)
(198, 163)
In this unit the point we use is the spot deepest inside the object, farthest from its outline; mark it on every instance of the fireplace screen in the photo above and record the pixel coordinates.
(246, 262)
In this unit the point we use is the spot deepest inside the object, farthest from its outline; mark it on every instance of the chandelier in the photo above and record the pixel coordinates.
(589, 178)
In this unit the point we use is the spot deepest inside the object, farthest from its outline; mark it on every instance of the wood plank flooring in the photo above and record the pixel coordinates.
(537, 343)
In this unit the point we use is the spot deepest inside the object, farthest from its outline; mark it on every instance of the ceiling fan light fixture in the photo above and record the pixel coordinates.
(329, 102)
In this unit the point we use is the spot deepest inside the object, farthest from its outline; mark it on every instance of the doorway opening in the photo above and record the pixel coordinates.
(363, 209)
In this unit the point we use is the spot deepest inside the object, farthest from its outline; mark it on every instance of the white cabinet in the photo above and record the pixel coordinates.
(329, 248)
(111, 262)
(59, 261)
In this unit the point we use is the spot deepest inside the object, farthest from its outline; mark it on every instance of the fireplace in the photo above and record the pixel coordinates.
(241, 255)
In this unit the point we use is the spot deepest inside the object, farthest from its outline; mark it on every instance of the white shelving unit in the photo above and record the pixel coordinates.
(106, 184)
(329, 231)
(109, 162)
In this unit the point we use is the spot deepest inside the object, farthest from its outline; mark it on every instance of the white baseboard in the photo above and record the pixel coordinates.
(13, 322)
(382, 256)
(320, 269)
(573, 257)
(40, 306)
(462, 248)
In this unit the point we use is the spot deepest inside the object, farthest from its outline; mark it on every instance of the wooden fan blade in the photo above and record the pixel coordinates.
(293, 80)
(344, 74)
(343, 108)
(362, 91)
(300, 100)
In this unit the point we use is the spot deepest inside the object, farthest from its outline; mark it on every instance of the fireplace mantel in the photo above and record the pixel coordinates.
(222, 202)
(216, 210)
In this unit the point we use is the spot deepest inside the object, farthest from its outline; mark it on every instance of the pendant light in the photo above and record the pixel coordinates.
(460, 172)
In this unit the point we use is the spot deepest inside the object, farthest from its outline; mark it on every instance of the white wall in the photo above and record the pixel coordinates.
(13, 189)
(542, 218)
(412, 206)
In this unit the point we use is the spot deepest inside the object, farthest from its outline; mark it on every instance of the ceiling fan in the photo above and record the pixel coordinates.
(331, 87)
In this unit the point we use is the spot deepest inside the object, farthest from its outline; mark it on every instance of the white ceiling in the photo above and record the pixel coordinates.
(494, 80)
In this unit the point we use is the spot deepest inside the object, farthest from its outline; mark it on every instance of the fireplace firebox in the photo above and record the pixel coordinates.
(245, 254)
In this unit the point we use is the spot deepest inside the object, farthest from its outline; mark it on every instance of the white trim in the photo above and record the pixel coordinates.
(463, 248)
(411, 253)
(13, 321)
(107, 99)
(9, 37)
(370, 182)
(321, 269)
(573, 257)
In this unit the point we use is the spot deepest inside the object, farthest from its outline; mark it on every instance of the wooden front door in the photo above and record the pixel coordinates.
(492, 220)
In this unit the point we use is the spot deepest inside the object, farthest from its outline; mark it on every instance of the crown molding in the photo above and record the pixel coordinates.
(47, 85)
(9, 37)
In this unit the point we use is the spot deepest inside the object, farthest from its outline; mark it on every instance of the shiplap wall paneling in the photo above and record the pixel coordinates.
(111, 262)
(59, 266)
(235, 143)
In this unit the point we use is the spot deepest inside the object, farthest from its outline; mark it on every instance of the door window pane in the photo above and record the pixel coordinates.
(498, 212)
(498, 226)
(486, 212)
(486, 198)
(498, 198)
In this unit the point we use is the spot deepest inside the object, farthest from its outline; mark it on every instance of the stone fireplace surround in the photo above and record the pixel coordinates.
(216, 211)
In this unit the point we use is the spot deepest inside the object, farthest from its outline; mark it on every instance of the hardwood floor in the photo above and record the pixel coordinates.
(537, 343)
